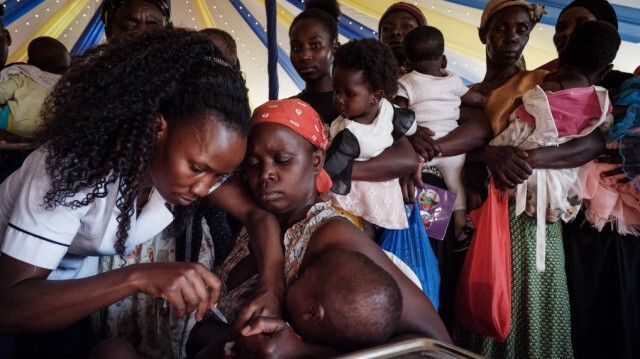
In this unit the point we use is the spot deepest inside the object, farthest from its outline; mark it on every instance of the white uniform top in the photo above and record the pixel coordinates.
(435, 100)
(62, 238)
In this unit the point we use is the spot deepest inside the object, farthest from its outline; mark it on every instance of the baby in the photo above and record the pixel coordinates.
(24, 87)
(343, 300)
(435, 95)
(557, 112)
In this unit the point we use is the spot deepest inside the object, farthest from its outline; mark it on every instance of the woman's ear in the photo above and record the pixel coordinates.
(160, 127)
(335, 46)
(319, 156)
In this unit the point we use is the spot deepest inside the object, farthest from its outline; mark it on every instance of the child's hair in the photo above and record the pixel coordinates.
(374, 59)
(362, 301)
(48, 54)
(227, 45)
(591, 46)
(99, 121)
(424, 43)
(327, 12)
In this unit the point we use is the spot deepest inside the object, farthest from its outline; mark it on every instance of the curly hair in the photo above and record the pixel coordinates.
(327, 12)
(423, 43)
(374, 59)
(99, 120)
(591, 46)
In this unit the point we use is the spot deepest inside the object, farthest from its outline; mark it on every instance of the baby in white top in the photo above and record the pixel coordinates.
(435, 95)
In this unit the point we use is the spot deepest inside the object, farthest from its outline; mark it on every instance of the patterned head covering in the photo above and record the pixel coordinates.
(601, 10)
(300, 117)
(109, 8)
(493, 6)
(403, 6)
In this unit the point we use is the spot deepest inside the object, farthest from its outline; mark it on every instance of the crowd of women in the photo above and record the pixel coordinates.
(160, 218)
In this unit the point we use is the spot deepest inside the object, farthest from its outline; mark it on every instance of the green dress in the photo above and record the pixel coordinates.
(540, 316)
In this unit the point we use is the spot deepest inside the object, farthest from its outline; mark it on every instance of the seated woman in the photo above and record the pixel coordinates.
(284, 169)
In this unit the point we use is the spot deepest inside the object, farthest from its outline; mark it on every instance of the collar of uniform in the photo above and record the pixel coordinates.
(153, 218)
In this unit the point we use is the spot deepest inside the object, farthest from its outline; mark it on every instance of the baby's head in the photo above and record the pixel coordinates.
(424, 44)
(591, 48)
(344, 300)
(364, 72)
(48, 54)
(225, 42)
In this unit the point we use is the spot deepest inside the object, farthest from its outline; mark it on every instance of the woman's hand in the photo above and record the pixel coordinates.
(408, 184)
(630, 148)
(266, 302)
(424, 144)
(508, 165)
(187, 286)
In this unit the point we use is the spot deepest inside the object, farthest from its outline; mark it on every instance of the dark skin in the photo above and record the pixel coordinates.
(31, 303)
(270, 174)
(311, 54)
(506, 35)
(392, 32)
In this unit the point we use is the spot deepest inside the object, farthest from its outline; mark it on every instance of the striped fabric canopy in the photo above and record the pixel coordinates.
(76, 24)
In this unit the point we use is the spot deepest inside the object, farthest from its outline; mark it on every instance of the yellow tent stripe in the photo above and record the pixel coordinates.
(204, 14)
(284, 16)
(53, 27)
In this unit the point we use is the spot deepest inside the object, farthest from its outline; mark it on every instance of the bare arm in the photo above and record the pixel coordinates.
(31, 303)
(418, 317)
(396, 161)
(264, 231)
(571, 154)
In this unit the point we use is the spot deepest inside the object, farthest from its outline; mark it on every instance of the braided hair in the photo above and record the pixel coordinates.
(99, 120)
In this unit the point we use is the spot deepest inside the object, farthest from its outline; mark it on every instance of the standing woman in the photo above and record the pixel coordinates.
(540, 304)
(313, 37)
(394, 25)
(603, 273)
(129, 131)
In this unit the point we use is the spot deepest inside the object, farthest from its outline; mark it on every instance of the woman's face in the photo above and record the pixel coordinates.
(394, 28)
(281, 169)
(136, 16)
(506, 35)
(567, 22)
(190, 159)
(311, 50)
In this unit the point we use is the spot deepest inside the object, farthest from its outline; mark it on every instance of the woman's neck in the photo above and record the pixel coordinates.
(323, 84)
(496, 77)
(295, 215)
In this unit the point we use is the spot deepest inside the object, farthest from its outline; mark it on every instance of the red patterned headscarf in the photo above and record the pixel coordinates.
(304, 120)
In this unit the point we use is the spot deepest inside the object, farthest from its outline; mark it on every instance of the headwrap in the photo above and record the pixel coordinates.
(109, 7)
(300, 117)
(601, 10)
(493, 6)
(403, 6)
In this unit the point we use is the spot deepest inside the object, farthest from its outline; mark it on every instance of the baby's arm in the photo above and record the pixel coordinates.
(401, 101)
(473, 98)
